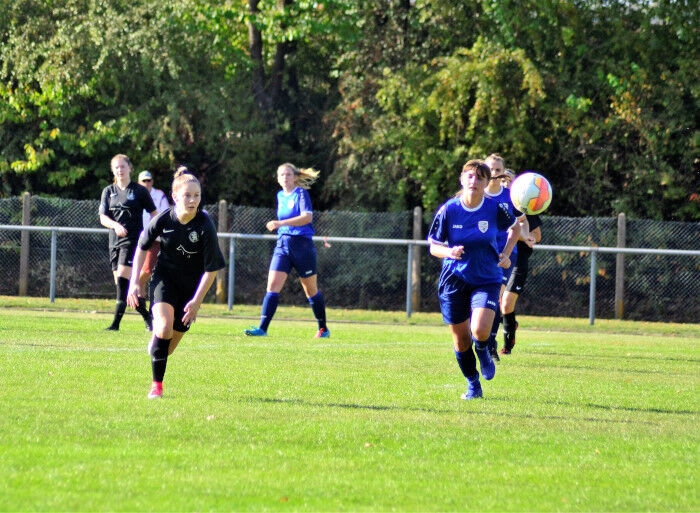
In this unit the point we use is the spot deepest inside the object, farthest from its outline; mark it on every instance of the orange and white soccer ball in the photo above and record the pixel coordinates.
(531, 193)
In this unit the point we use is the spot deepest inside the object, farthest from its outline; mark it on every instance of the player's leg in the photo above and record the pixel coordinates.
(510, 325)
(516, 284)
(163, 316)
(280, 266)
(318, 304)
(484, 302)
(121, 270)
(454, 306)
(144, 278)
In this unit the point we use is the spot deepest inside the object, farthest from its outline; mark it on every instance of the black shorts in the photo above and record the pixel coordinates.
(516, 282)
(122, 254)
(168, 290)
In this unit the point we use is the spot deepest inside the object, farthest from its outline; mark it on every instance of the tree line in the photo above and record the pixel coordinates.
(387, 98)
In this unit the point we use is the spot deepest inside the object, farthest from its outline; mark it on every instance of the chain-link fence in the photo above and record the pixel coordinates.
(373, 276)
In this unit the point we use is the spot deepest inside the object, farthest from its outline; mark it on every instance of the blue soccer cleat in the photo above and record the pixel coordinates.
(255, 332)
(488, 367)
(473, 390)
(323, 333)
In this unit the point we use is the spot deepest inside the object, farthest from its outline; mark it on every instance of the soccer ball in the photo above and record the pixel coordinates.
(531, 193)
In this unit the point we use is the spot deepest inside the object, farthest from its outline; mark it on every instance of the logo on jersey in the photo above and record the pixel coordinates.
(193, 237)
(483, 226)
(184, 252)
(290, 204)
(457, 226)
(130, 195)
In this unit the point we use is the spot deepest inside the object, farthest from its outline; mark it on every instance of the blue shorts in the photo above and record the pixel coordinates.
(294, 251)
(458, 298)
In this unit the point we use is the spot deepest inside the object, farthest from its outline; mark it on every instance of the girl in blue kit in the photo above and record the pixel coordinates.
(463, 234)
(294, 249)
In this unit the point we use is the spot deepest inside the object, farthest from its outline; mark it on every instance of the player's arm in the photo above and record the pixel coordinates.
(132, 296)
(302, 219)
(192, 307)
(443, 251)
(525, 234)
(513, 236)
(110, 223)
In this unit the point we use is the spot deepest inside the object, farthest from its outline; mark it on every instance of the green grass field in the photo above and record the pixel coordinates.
(578, 418)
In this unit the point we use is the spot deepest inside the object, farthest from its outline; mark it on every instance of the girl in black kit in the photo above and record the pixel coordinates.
(121, 210)
(186, 268)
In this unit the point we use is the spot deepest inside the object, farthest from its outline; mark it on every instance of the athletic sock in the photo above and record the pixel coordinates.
(318, 305)
(496, 323)
(120, 305)
(269, 307)
(467, 363)
(509, 323)
(141, 308)
(159, 357)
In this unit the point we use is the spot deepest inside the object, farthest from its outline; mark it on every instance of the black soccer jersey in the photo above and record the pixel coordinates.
(126, 207)
(186, 250)
(534, 221)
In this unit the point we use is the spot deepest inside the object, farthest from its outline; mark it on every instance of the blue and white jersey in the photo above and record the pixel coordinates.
(291, 205)
(477, 230)
(503, 198)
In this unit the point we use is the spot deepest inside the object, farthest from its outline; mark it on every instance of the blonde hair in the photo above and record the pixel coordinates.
(304, 178)
(120, 156)
(496, 157)
(183, 176)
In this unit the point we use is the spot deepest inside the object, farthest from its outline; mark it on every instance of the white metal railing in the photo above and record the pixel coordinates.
(409, 243)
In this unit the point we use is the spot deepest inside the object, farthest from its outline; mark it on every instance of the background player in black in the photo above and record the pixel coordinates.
(186, 268)
(516, 283)
(121, 210)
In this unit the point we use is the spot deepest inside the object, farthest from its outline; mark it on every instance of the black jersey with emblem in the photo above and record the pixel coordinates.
(186, 250)
(126, 207)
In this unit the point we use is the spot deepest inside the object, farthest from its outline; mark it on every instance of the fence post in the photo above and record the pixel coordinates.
(416, 259)
(24, 244)
(620, 267)
(591, 288)
(221, 274)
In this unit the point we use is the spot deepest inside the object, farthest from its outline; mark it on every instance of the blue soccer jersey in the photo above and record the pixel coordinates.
(503, 198)
(476, 229)
(291, 205)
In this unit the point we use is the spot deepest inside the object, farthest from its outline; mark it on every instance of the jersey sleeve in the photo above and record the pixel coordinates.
(438, 229)
(153, 230)
(305, 201)
(104, 203)
(146, 200)
(213, 258)
(506, 218)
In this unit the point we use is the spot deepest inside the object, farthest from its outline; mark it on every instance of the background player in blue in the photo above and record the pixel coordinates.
(294, 249)
(121, 210)
(185, 270)
(499, 190)
(463, 234)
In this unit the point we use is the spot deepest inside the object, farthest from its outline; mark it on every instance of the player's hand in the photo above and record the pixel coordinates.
(191, 309)
(132, 296)
(530, 241)
(456, 252)
(503, 261)
(272, 225)
(120, 230)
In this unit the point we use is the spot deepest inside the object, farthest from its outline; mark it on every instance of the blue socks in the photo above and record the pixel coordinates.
(269, 307)
(318, 305)
(467, 364)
